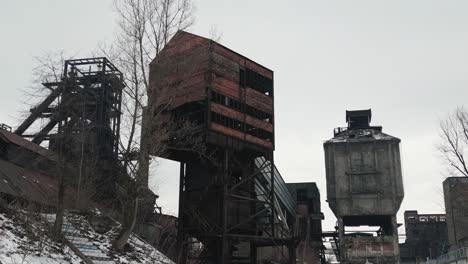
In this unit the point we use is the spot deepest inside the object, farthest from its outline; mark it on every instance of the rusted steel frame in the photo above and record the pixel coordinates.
(272, 196)
(209, 226)
(264, 194)
(248, 219)
(280, 213)
(85, 61)
(54, 119)
(245, 198)
(180, 222)
(262, 241)
(39, 137)
(119, 109)
(246, 179)
(37, 111)
(45, 131)
(249, 177)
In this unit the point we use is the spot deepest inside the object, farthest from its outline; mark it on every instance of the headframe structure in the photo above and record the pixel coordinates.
(82, 114)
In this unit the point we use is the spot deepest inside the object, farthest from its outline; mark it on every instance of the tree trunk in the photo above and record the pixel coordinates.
(60, 207)
(127, 225)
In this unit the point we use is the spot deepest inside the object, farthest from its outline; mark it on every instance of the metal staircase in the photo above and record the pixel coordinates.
(87, 246)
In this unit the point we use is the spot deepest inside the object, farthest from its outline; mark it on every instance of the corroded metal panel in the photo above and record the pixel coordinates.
(241, 60)
(190, 67)
(240, 116)
(240, 135)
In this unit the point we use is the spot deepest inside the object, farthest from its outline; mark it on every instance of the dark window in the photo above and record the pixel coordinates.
(256, 81)
(301, 195)
(242, 78)
(239, 126)
(240, 107)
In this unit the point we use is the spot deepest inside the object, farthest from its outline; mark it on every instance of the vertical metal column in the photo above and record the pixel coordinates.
(182, 245)
(272, 196)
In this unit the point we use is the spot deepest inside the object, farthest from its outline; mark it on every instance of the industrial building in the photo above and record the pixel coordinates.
(232, 197)
(364, 189)
(426, 237)
(82, 113)
(456, 208)
(25, 175)
(214, 111)
(234, 204)
(308, 222)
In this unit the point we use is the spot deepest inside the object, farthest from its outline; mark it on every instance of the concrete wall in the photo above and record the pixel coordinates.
(456, 207)
(364, 177)
(365, 188)
(426, 236)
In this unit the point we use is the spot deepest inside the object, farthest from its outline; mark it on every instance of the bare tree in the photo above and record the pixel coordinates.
(144, 28)
(48, 68)
(454, 141)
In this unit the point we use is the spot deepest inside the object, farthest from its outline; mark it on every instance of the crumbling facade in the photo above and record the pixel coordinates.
(456, 208)
(232, 198)
(426, 237)
(364, 189)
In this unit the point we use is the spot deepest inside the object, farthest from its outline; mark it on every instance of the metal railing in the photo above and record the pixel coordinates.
(451, 257)
(338, 130)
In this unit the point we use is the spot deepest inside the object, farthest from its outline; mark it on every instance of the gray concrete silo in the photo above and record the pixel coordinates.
(364, 189)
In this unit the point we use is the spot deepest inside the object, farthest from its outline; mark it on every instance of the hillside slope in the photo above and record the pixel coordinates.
(24, 240)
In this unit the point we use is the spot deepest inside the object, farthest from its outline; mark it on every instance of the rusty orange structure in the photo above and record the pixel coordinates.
(238, 92)
(236, 203)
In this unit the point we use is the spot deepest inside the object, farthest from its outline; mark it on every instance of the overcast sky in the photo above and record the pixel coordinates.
(407, 60)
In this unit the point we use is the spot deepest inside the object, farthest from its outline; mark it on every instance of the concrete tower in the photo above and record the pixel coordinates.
(364, 189)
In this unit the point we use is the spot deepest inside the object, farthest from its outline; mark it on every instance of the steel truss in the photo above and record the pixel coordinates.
(82, 111)
(234, 235)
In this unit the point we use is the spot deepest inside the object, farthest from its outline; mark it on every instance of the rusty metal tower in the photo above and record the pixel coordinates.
(235, 203)
(82, 114)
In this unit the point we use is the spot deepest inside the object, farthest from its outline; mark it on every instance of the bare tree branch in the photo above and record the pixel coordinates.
(144, 28)
(454, 141)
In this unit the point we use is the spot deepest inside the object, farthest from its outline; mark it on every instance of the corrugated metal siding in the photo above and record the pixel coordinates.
(22, 183)
(281, 190)
(10, 137)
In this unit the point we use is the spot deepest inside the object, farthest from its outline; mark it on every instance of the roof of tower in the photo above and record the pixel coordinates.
(361, 135)
(182, 33)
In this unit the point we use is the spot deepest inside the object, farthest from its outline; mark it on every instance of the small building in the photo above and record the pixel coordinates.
(308, 221)
(426, 237)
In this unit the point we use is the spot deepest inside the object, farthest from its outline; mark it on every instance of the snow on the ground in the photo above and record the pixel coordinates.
(137, 251)
(22, 242)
